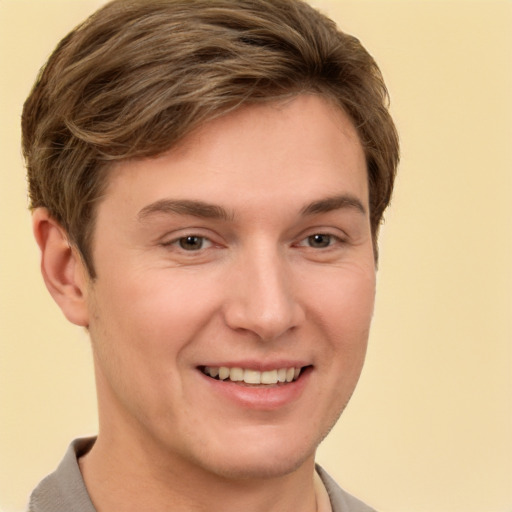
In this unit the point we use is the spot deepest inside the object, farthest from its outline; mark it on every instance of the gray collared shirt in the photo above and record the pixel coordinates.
(64, 489)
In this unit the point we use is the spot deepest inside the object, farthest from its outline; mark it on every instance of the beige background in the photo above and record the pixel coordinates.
(430, 426)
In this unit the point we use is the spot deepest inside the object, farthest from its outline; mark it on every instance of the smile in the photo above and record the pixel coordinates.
(249, 376)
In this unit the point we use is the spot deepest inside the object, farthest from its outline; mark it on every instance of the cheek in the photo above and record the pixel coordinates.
(345, 312)
(154, 313)
(140, 331)
(346, 304)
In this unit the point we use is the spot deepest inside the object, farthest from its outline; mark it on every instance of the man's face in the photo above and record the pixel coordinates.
(245, 250)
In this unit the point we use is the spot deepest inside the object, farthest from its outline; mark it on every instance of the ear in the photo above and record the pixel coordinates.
(61, 265)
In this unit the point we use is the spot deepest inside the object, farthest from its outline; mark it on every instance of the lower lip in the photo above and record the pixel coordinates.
(258, 397)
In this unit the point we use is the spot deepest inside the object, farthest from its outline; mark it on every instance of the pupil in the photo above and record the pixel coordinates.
(191, 242)
(319, 240)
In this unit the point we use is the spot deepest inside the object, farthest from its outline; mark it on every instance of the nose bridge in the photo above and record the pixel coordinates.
(263, 299)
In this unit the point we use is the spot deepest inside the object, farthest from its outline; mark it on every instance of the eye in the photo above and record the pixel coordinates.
(319, 241)
(191, 243)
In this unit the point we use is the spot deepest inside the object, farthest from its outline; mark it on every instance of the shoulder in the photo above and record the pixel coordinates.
(341, 501)
(64, 489)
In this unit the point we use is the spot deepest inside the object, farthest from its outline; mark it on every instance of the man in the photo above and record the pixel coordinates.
(207, 180)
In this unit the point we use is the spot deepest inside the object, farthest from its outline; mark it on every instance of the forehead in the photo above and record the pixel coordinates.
(306, 145)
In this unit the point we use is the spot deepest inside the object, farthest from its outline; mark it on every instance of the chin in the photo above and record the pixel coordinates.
(259, 468)
(263, 457)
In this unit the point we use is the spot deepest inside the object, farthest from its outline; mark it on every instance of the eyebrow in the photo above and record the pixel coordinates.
(334, 203)
(185, 207)
(212, 211)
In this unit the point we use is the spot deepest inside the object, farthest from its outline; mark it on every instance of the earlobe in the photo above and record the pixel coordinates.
(63, 270)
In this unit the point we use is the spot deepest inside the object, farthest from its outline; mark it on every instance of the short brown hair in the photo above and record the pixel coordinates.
(138, 75)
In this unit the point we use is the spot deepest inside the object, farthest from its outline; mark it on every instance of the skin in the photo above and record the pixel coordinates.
(255, 287)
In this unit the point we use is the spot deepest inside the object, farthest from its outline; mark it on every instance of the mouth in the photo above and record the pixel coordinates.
(250, 377)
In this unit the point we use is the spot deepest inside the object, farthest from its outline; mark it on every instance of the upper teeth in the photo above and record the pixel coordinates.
(252, 376)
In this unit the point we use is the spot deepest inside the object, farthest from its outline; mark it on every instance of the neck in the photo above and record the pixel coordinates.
(144, 478)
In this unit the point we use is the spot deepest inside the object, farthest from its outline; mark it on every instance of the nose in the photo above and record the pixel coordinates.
(262, 297)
